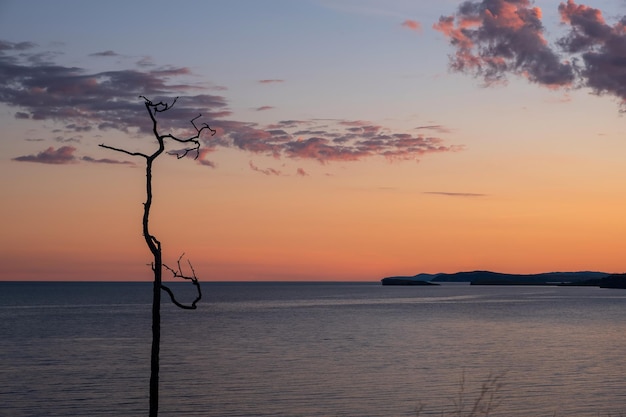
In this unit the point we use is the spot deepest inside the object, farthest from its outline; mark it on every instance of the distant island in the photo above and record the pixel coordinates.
(406, 281)
(581, 278)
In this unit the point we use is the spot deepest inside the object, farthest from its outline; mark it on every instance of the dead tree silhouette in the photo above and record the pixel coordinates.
(192, 145)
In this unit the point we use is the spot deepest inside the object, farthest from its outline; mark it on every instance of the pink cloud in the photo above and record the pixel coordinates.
(412, 25)
(263, 108)
(202, 157)
(496, 37)
(339, 140)
(585, 15)
(271, 81)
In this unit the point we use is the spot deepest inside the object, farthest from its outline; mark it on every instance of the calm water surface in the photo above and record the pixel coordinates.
(287, 349)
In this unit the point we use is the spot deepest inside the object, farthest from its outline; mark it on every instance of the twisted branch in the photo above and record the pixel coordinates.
(179, 274)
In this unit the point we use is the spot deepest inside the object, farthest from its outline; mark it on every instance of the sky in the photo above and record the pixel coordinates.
(356, 139)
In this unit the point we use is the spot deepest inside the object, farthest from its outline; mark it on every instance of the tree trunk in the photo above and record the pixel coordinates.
(156, 340)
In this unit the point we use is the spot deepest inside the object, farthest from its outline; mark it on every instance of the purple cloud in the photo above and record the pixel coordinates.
(494, 38)
(106, 161)
(105, 54)
(266, 171)
(341, 140)
(435, 128)
(19, 46)
(145, 61)
(60, 156)
(91, 103)
(99, 101)
(449, 194)
(601, 46)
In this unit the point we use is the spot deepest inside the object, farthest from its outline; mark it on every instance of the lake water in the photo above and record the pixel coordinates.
(312, 349)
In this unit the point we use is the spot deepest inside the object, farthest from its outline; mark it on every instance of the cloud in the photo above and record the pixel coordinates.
(43, 90)
(62, 155)
(202, 153)
(105, 54)
(16, 46)
(88, 104)
(436, 128)
(448, 194)
(325, 141)
(267, 171)
(494, 38)
(271, 81)
(412, 25)
(145, 61)
(263, 108)
(602, 48)
(301, 172)
(65, 139)
(564, 98)
(106, 161)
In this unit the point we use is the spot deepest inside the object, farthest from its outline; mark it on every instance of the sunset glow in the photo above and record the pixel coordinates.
(355, 139)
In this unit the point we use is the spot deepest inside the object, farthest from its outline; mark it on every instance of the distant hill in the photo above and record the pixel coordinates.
(405, 281)
(498, 278)
(612, 281)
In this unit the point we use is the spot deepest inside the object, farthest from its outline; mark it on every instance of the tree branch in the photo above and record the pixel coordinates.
(193, 139)
(102, 145)
(179, 274)
(160, 106)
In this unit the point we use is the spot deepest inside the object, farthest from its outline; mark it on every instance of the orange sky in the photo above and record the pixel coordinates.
(530, 180)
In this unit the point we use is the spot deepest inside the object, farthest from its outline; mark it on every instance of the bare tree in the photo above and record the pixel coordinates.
(191, 145)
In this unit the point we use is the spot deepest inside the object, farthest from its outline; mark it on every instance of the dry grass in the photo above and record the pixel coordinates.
(474, 404)
(482, 402)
